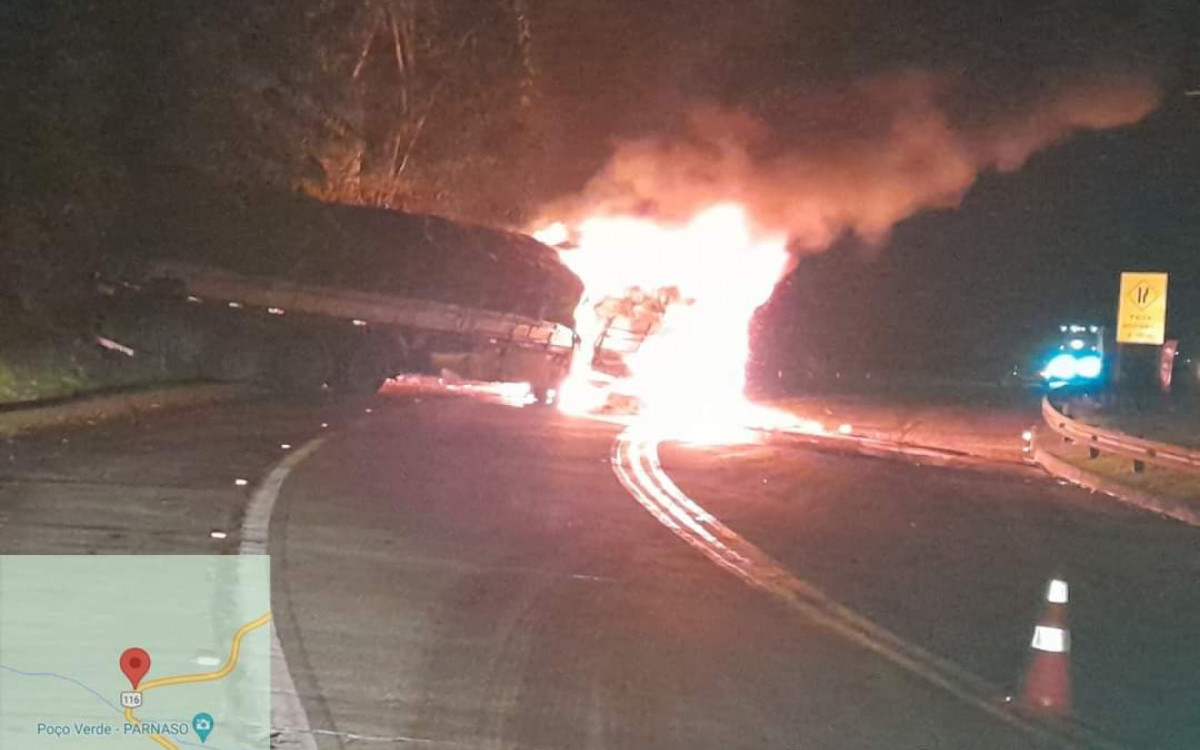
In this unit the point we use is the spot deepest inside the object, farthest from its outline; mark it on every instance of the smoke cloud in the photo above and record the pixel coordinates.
(858, 158)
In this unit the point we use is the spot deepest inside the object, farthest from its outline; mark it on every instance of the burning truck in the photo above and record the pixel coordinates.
(666, 309)
(303, 296)
(626, 312)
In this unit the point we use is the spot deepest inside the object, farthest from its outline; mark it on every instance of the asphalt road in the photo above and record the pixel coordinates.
(956, 560)
(451, 573)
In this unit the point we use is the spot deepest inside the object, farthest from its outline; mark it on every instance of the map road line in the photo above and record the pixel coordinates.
(287, 711)
(235, 650)
(131, 719)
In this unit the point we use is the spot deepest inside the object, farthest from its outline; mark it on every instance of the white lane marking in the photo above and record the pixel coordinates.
(257, 521)
(636, 465)
(287, 711)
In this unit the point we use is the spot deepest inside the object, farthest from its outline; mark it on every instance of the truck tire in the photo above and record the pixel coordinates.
(544, 394)
(363, 370)
(233, 361)
(301, 366)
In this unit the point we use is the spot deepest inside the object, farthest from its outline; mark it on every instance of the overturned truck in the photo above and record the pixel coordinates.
(301, 295)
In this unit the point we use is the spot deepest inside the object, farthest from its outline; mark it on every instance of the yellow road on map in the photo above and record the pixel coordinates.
(235, 651)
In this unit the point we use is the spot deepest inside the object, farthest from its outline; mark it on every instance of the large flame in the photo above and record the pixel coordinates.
(707, 276)
(857, 160)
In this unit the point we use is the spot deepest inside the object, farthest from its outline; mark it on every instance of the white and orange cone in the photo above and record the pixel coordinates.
(1046, 690)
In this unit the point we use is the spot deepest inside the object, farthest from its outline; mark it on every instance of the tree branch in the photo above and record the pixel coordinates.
(366, 51)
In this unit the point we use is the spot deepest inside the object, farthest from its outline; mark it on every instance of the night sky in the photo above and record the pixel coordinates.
(979, 287)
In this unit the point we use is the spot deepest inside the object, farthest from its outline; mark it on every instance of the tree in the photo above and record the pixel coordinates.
(62, 178)
(420, 105)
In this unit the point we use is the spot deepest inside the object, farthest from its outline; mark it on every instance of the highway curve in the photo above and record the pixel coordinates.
(459, 574)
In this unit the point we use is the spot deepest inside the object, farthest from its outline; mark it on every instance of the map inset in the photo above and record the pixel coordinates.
(137, 652)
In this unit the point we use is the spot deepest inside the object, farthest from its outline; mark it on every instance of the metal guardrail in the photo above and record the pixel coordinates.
(1098, 439)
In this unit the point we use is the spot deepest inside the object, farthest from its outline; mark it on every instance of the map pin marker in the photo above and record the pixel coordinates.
(203, 724)
(135, 663)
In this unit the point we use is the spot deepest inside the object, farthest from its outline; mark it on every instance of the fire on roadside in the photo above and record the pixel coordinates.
(665, 318)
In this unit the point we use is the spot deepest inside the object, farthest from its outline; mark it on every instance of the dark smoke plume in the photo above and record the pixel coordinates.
(858, 159)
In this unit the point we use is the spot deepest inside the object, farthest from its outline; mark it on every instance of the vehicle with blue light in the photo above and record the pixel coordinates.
(1078, 358)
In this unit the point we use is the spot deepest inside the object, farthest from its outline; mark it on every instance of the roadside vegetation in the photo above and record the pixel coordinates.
(427, 107)
(41, 361)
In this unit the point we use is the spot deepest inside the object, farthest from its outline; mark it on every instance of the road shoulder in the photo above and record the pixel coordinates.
(104, 406)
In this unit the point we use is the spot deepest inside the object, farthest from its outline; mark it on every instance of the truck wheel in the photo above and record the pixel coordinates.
(363, 371)
(235, 361)
(301, 368)
(544, 395)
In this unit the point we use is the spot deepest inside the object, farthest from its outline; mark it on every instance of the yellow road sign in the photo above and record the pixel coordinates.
(1142, 311)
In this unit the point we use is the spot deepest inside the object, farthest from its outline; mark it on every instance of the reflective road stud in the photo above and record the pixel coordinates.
(1047, 687)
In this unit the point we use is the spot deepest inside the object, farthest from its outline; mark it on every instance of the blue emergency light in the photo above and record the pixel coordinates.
(1079, 358)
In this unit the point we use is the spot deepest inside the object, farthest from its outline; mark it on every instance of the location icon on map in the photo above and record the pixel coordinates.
(135, 663)
(203, 724)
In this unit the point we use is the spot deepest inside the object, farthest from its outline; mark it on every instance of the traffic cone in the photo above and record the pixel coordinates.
(1046, 690)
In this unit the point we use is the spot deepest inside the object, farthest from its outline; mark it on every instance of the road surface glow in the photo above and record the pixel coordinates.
(743, 422)
(517, 394)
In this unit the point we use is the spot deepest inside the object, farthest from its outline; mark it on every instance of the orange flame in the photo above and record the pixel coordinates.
(871, 155)
(715, 270)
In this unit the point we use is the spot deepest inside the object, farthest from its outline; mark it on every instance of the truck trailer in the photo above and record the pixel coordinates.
(231, 327)
(302, 295)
